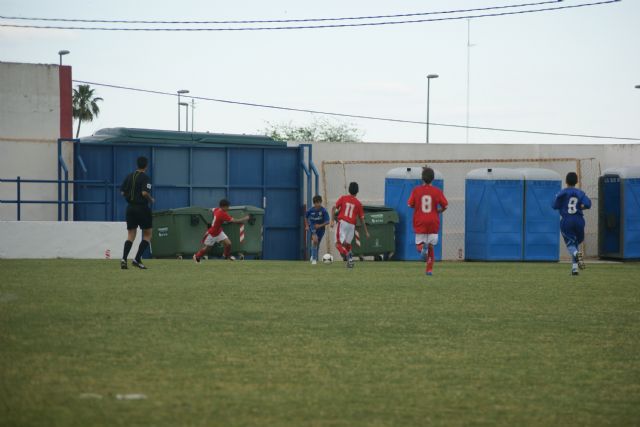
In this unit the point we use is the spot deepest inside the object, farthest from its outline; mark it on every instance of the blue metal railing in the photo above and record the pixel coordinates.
(60, 202)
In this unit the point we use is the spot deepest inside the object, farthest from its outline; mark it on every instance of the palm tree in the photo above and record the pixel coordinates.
(85, 106)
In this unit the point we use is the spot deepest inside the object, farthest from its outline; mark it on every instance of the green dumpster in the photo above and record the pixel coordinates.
(178, 232)
(246, 239)
(381, 222)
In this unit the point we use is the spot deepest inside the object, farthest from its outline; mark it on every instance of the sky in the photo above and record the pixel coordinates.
(570, 71)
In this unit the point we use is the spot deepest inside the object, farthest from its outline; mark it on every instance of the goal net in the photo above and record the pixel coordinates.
(336, 175)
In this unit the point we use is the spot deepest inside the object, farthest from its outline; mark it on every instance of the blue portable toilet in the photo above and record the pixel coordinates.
(398, 185)
(541, 241)
(494, 203)
(619, 213)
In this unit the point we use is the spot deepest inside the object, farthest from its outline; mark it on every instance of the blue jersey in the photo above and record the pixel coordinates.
(316, 216)
(570, 202)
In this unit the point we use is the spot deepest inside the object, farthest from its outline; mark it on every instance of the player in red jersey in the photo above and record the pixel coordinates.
(349, 210)
(215, 234)
(427, 202)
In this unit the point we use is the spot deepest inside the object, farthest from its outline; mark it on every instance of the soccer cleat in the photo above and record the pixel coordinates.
(196, 259)
(231, 258)
(429, 273)
(574, 273)
(423, 253)
(314, 262)
(138, 264)
(123, 264)
(580, 259)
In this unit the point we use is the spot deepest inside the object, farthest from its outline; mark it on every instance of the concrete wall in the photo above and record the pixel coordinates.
(43, 239)
(34, 112)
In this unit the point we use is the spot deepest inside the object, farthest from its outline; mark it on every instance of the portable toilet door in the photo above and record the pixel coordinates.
(541, 238)
(398, 185)
(494, 202)
(619, 213)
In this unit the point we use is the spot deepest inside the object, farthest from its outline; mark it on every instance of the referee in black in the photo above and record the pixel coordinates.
(136, 188)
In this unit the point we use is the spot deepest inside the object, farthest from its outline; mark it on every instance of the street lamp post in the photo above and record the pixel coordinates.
(186, 123)
(180, 92)
(429, 77)
(61, 53)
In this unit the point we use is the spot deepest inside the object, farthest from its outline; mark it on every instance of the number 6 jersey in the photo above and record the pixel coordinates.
(425, 200)
(570, 201)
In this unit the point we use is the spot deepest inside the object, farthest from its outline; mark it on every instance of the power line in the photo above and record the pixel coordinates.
(255, 21)
(306, 27)
(356, 116)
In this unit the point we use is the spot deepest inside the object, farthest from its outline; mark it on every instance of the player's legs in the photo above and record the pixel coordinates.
(132, 227)
(209, 241)
(571, 242)
(145, 224)
(340, 239)
(432, 240)
(421, 244)
(314, 247)
(227, 249)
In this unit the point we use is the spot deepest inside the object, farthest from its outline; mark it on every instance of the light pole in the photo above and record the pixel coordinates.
(180, 92)
(193, 112)
(61, 53)
(186, 123)
(429, 77)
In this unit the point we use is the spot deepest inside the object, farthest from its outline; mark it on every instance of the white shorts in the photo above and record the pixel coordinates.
(345, 232)
(427, 239)
(210, 240)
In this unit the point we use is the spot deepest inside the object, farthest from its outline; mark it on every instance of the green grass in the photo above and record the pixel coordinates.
(284, 343)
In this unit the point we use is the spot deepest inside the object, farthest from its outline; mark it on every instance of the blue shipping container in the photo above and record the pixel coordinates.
(192, 169)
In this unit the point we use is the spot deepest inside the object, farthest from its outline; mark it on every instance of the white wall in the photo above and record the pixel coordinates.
(44, 239)
(29, 129)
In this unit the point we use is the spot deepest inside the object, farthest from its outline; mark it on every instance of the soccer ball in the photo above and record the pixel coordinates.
(327, 258)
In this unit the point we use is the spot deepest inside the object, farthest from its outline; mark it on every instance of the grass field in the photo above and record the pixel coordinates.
(284, 343)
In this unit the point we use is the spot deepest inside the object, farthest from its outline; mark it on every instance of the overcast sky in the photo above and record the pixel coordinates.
(563, 71)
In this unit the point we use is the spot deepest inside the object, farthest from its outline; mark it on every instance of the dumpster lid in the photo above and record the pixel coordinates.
(247, 208)
(538, 174)
(380, 215)
(497, 174)
(188, 210)
(625, 172)
(411, 172)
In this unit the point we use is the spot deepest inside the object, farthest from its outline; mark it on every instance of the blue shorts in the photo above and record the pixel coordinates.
(318, 232)
(572, 230)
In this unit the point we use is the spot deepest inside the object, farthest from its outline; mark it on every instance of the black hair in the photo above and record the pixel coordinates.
(353, 188)
(317, 199)
(224, 203)
(428, 175)
(142, 162)
(571, 179)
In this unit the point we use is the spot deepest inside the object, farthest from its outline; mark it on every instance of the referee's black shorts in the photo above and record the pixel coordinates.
(138, 216)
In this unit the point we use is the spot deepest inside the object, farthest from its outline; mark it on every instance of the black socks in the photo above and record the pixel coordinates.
(127, 248)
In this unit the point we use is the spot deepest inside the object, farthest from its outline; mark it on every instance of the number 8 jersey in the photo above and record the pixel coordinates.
(570, 201)
(425, 200)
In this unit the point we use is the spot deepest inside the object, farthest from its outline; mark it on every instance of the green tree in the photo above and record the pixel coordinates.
(85, 105)
(319, 130)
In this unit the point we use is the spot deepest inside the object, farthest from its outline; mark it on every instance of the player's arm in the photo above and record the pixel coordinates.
(364, 224)
(585, 202)
(412, 199)
(334, 212)
(443, 204)
(239, 220)
(556, 202)
(306, 221)
(146, 193)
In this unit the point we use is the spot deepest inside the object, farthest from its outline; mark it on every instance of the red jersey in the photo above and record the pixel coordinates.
(425, 200)
(219, 218)
(350, 208)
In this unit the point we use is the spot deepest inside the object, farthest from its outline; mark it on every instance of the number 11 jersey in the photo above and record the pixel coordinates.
(425, 200)
(350, 209)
